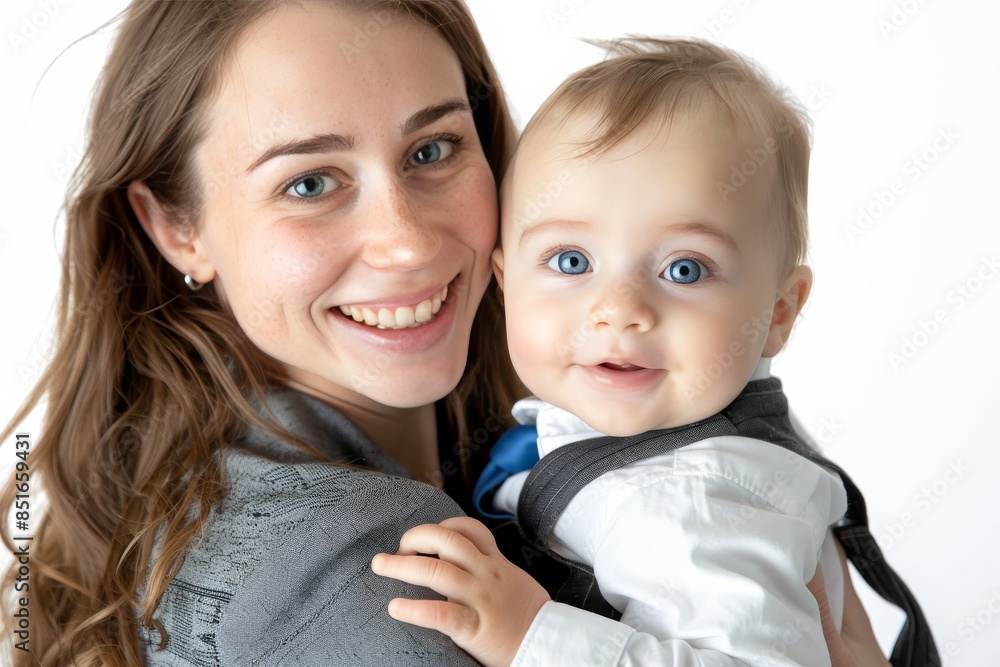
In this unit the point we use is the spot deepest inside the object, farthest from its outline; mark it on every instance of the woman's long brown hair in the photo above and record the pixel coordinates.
(148, 379)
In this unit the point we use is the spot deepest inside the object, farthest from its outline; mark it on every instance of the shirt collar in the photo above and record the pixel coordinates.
(557, 427)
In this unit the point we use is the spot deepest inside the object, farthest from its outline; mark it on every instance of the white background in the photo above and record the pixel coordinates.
(884, 81)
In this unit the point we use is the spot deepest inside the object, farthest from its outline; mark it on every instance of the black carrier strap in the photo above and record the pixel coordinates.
(561, 474)
(761, 412)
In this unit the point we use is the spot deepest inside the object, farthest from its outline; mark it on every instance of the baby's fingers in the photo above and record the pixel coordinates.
(450, 545)
(433, 573)
(474, 531)
(453, 619)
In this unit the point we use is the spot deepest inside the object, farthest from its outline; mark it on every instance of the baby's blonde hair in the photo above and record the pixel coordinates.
(648, 79)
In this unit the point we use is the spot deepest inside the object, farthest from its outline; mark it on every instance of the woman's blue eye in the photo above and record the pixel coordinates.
(572, 262)
(431, 152)
(685, 271)
(311, 186)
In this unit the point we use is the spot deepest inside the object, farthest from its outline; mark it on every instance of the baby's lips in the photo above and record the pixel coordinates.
(622, 366)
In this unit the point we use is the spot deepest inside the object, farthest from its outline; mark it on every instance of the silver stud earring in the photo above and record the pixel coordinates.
(192, 284)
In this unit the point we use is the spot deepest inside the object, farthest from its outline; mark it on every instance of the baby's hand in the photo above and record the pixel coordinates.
(491, 602)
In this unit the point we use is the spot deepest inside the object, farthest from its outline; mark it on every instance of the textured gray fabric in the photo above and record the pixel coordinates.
(282, 575)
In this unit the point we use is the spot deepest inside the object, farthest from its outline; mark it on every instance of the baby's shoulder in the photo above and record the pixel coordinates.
(732, 467)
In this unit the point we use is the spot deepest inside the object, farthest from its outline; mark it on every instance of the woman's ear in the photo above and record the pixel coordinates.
(175, 239)
(792, 295)
(498, 265)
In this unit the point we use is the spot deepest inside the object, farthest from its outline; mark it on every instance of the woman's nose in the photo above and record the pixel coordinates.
(397, 232)
(624, 306)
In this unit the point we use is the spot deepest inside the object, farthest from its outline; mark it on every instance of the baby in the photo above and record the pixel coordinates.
(653, 232)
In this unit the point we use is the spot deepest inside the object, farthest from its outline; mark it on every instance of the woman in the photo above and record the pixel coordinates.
(276, 258)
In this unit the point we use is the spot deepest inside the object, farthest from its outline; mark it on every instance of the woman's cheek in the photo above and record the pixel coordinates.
(281, 277)
(479, 214)
(261, 312)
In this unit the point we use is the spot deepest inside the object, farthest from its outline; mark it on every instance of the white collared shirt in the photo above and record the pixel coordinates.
(706, 551)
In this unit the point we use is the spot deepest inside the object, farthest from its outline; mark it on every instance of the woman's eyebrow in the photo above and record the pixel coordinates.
(330, 143)
(428, 115)
(320, 143)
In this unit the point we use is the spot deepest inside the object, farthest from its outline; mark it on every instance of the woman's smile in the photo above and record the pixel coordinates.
(386, 316)
(399, 340)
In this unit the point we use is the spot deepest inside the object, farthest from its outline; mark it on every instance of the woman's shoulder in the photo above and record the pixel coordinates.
(282, 572)
(274, 488)
(316, 423)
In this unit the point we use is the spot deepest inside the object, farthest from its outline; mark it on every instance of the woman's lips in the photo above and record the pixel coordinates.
(404, 339)
(400, 317)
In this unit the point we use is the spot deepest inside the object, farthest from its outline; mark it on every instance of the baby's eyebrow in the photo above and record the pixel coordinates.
(558, 223)
(705, 230)
(700, 228)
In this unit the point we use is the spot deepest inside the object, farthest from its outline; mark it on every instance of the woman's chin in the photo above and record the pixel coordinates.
(420, 390)
(386, 387)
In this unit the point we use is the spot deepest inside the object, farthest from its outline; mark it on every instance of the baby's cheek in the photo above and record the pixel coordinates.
(534, 340)
(522, 342)
(728, 352)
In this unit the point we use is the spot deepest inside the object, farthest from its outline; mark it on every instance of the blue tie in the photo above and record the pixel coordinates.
(515, 451)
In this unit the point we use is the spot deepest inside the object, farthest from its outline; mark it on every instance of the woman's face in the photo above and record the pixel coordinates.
(349, 210)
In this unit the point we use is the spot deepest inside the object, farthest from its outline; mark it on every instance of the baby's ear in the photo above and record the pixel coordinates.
(175, 239)
(498, 265)
(791, 297)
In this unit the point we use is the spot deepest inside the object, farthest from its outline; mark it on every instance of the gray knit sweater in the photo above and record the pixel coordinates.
(282, 575)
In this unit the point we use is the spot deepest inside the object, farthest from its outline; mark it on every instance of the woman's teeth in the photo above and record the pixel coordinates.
(403, 317)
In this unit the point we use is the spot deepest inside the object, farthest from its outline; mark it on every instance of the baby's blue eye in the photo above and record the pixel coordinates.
(431, 152)
(684, 271)
(571, 262)
(311, 186)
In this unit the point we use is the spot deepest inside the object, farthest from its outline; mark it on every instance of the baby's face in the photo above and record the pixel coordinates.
(638, 295)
